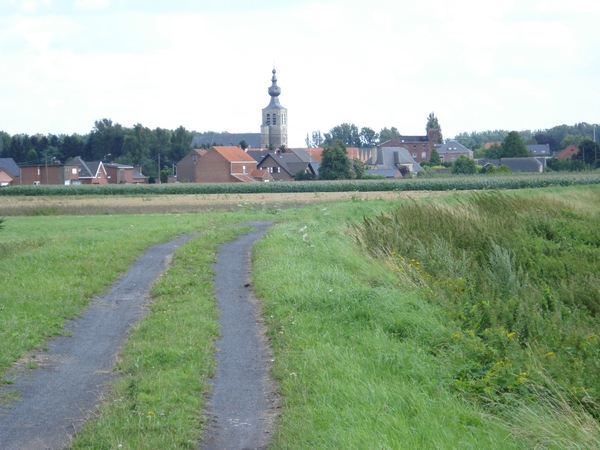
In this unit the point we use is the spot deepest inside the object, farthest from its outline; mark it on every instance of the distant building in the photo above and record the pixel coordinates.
(273, 131)
(419, 147)
(539, 149)
(55, 174)
(9, 172)
(568, 152)
(451, 150)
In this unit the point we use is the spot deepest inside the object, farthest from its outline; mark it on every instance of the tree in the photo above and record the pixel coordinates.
(282, 148)
(588, 152)
(302, 175)
(434, 158)
(243, 144)
(463, 165)
(543, 138)
(1, 222)
(358, 168)
(32, 156)
(368, 137)
(432, 123)
(335, 164)
(514, 146)
(387, 134)
(571, 139)
(164, 176)
(346, 132)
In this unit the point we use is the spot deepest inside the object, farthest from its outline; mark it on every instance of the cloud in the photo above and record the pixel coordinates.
(84, 5)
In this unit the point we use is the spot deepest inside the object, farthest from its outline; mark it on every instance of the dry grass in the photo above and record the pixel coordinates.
(14, 206)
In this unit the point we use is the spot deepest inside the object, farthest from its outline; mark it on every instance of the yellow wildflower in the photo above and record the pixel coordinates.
(511, 334)
(549, 353)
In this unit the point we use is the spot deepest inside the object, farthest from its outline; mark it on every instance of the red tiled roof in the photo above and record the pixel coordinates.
(568, 152)
(233, 154)
(492, 144)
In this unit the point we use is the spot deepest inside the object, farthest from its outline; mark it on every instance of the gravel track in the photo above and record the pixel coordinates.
(55, 399)
(243, 401)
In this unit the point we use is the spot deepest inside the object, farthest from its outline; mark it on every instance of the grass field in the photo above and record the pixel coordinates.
(366, 355)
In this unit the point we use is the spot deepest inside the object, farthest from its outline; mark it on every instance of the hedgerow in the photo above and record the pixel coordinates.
(419, 184)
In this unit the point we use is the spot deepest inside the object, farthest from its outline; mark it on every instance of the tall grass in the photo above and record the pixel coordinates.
(518, 278)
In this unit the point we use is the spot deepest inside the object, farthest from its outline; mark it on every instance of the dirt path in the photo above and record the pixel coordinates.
(56, 398)
(243, 401)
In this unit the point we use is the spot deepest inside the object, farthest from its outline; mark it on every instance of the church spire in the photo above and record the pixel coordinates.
(274, 92)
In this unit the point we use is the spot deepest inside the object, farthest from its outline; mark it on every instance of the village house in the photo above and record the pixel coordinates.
(227, 165)
(9, 172)
(89, 173)
(568, 152)
(123, 174)
(419, 147)
(55, 174)
(451, 150)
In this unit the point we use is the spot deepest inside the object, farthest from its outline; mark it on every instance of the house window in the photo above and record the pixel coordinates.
(99, 175)
(414, 154)
(274, 119)
(244, 169)
(74, 170)
(194, 158)
(38, 170)
(268, 119)
(453, 158)
(414, 146)
(423, 154)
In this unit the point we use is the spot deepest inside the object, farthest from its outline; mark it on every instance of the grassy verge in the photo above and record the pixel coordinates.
(355, 348)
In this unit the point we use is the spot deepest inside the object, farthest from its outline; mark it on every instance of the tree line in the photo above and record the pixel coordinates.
(107, 141)
(353, 136)
(557, 137)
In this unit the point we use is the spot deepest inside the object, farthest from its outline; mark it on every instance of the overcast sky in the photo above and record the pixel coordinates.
(206, 65)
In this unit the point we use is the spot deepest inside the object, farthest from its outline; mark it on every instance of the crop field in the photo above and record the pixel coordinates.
(421, 321)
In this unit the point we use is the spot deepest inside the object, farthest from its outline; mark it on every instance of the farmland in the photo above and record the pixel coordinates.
(369, 351)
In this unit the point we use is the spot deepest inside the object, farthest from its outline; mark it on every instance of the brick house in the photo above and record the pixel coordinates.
(282, 166)
(123, 174)
(9, 172)
(55, 174)
(227, 165)
(188, 167)
(419, 147)
(451, 150)
(568, 152)
(89, 173)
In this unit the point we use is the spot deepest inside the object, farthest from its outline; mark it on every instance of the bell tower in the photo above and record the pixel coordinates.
(273, 131)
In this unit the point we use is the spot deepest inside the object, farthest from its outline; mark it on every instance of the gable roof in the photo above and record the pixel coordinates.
(303, 154)
(539, 149)
(453, 147)
(226, 139)
(287, 161)
(388, 158)
(86, 170)
(11, 166)
(233, 154)
(522, 164)
(568, 152)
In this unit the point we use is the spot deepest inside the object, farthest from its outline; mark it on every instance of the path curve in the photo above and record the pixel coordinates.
(243, 400)
(56, 398)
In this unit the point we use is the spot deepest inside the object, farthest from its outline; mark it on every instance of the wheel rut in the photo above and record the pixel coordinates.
(243, 402)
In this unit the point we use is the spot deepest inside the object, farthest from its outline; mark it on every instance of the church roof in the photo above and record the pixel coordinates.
(274, 92)
(228, 139)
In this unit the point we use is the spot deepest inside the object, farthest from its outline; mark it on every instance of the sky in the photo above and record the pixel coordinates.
(477, 64)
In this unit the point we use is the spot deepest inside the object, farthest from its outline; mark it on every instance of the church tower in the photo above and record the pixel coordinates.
(273, 130)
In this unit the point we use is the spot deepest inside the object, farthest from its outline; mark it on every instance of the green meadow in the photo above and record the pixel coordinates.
(465, 321)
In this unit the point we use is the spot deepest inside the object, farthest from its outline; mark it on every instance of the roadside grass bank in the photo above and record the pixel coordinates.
(373, 350)
(518, 280)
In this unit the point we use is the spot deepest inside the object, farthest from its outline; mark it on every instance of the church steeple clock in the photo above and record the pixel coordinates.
(273, 131)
